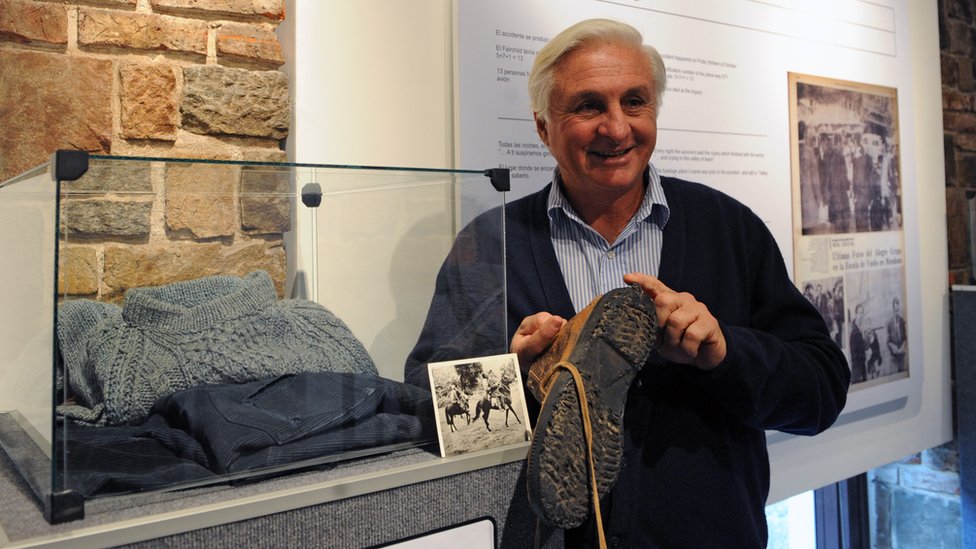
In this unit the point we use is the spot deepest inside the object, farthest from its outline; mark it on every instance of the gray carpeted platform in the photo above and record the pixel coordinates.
(349, 504)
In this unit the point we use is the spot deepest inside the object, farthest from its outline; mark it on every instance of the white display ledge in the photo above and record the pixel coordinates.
(231, 509)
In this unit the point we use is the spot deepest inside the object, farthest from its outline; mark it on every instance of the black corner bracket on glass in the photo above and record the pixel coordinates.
(499, 179)
(312, 195)
(69, 165)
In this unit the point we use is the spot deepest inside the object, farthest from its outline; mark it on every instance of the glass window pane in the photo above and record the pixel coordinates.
(792, 523)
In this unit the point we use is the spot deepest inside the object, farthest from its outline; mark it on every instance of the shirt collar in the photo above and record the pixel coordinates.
(653, 208)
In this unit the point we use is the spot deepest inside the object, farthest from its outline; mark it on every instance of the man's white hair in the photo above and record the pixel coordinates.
(542, 75)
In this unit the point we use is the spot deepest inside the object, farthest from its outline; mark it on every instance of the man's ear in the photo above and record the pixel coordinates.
(540, 127)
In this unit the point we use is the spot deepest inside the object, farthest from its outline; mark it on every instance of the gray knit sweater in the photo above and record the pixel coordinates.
(220, 329)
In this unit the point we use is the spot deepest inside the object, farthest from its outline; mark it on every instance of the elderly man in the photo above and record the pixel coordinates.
(741, 350)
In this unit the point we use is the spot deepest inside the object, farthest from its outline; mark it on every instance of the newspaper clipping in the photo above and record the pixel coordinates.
(847, 219)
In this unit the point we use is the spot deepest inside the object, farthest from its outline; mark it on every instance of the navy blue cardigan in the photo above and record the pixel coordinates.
(696, 470)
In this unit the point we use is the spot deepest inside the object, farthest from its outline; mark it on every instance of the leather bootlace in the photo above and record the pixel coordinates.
(588, 435)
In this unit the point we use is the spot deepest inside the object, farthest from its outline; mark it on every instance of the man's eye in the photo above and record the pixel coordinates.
(634, 102)
(587, 106)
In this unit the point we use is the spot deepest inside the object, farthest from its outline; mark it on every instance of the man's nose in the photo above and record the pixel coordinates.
(615, 124)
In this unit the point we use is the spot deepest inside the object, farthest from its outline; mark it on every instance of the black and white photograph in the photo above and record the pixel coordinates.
(876, 343)
(827, 295)
(478, 404)
(845, 156)
(848, 243)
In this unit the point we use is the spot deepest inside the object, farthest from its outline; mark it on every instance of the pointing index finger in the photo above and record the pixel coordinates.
(665, 301)
(650, 284)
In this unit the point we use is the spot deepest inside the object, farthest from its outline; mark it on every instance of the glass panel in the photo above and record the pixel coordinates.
(204, 322)
(381, 239)
(28, 221)
(792, 523)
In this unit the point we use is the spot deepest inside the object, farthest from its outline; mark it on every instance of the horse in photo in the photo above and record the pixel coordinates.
(497, 395)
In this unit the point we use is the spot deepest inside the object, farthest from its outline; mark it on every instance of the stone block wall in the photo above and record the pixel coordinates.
(916, 500)
(192, 79)
(957, 33)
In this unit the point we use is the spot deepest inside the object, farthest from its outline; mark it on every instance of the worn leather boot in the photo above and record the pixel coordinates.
(577, 442)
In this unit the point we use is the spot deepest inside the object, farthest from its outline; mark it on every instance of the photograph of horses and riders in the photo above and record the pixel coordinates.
(478, 404)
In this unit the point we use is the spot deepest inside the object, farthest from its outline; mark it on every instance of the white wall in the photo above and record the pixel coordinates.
(373, 84)
(925, 419)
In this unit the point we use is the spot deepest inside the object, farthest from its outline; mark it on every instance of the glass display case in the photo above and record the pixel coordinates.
(172, 323)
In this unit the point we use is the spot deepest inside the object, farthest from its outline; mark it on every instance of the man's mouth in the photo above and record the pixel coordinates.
(611, 154)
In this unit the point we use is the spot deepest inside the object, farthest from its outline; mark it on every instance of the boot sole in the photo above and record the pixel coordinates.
(612, 346)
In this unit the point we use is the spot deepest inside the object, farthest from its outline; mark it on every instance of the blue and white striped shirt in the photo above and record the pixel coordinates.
(590, 265)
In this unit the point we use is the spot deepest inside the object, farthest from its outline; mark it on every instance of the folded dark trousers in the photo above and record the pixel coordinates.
(198, 433)
(130, 458)
(296, 417)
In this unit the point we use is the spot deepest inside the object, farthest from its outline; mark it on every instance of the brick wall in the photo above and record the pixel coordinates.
(957, 33)
(158, 78)
(917, 499)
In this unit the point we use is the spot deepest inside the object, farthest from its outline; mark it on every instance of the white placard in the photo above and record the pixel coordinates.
(478, 534)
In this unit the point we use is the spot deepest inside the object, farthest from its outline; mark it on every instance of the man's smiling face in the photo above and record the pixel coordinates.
(602, 121)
